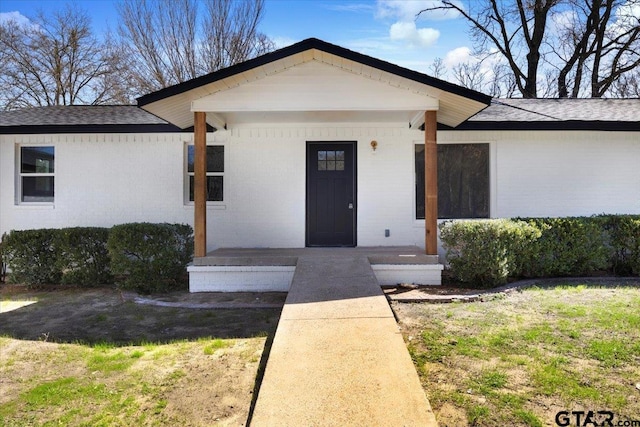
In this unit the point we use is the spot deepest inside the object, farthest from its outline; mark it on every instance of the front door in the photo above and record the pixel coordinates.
(331, 191)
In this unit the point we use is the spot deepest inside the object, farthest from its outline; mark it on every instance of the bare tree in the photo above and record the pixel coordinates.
(470, 75)
(516, 29)
(597, 45)
(503, 83)
(600, 44)
(627, 86)
(170, 41)
(56, 60)
(437, 68)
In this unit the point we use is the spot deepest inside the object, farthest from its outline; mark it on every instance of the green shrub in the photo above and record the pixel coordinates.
(567, 247)
(485, 252)
(150, 257)
(82, 256)
(623, 233)
(31, 256)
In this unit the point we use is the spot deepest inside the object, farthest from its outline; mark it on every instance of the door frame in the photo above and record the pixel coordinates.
(354, 147)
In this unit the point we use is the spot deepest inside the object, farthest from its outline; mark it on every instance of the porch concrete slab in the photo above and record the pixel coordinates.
(334, 287)
(338, 357)
(376, 255)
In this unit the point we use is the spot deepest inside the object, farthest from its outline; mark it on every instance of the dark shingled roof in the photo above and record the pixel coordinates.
(82, 119)
(557, 114)
(502, 114)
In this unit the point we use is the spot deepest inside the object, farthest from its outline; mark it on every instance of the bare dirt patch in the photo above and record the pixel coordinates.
(129, 363)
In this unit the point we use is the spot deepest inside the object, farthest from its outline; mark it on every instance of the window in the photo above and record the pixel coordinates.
(37, 166)
(463, 181)
(331, 160)
(215, 171)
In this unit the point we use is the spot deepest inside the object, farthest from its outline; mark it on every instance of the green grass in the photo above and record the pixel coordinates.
(104, 384)
(489, 381)
(215, 344)
(506, 362)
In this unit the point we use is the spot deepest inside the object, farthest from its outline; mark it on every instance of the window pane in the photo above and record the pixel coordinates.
(463, 181)
(215, 158)
(37, 159)
(37, 188)
(322, 155)
(214, 188)
(419, 181)
(339, 165)
(331, 155)
(191, 156)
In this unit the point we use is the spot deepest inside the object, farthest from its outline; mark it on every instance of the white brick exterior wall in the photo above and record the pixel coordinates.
(566, 173)
(101, 180)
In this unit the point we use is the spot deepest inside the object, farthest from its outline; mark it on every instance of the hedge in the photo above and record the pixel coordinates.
(566, 247)
(488, 252)
(485, 252)
(145, 257)
(31, 256)
(150, 257)
(82, 256)
(624, 243)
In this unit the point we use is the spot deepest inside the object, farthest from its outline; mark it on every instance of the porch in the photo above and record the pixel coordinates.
(272, 269)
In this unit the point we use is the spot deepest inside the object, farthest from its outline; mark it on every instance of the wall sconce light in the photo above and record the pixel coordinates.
(374, 145)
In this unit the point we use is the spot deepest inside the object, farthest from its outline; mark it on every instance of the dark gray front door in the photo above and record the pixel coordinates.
(331, 191)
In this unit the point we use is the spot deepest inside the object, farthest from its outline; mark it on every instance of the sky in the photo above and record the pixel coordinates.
(385, 29)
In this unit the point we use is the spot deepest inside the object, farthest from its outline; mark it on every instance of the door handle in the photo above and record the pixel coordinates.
(350, 205)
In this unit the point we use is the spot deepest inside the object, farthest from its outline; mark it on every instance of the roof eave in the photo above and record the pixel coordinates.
(88, 128)
(565, 125)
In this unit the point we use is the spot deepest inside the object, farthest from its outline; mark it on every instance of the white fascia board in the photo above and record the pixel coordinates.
(211, 106)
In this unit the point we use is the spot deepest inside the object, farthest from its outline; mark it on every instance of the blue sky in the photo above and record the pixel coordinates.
(386, 29)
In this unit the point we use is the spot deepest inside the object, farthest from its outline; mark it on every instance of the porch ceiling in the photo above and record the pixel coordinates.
(331, 87)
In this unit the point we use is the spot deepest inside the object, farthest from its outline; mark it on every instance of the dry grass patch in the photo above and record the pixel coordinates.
(520, 359)
(88, 357)
(72, 384)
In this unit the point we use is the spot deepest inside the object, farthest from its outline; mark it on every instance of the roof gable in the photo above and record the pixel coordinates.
(307, 45)
(456, 104)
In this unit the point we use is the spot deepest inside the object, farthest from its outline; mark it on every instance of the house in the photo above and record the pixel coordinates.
(316, 145)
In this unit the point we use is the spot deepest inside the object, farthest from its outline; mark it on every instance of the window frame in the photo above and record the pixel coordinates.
(188, 175)
(491, 178)
(19, 196)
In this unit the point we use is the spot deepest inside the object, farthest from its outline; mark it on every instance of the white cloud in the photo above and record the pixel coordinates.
(350, 7)
(408, 10)
(15, 16)
(626, 16)
(408, 32)
(458, 56)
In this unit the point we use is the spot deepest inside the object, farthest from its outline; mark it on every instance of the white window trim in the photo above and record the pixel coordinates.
(20, 175)
(190, 203)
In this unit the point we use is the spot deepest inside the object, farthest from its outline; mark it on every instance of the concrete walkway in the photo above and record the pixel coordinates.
(338, 358)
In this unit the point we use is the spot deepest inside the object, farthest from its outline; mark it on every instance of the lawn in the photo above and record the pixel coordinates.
(520, 359)
(77, 357)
